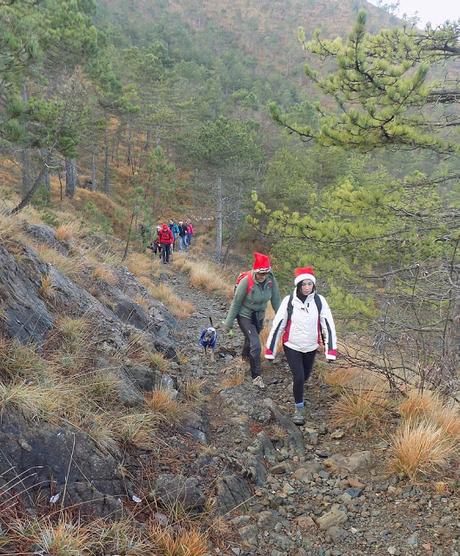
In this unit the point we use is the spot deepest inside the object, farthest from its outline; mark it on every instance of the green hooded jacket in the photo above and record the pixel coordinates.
(245, 304)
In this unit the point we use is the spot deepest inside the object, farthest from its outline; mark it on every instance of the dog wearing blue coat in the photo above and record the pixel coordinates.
(208, 340)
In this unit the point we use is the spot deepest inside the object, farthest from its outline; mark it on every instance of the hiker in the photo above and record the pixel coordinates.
(188, 232)
(305, 318)
(175, 232)
(165, 239)
(182, 234)
(254, 290)
(155, 244)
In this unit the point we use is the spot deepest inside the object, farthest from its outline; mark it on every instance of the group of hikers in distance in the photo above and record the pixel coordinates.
(171, 237)
(303, 321)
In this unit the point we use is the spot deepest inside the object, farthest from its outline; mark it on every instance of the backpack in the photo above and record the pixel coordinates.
(319, 306)
(240, 277)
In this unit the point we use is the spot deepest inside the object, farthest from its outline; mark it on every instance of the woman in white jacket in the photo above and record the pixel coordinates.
(304, 320)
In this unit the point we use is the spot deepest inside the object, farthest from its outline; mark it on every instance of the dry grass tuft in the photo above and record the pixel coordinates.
(362, 408)
(101, 387)
(419, 404)
(65, 232)
(234, 379)
(19, 361)
(419, 448)
(103, 274)
(162, 292)
(136, 429)
(9, 226)
(192, 389)
(47, 290)
(100, 429)
(447, 418)
(121, 537)
(165, 407)
(37, 401)
(340, 378)
(139, 264)
(74, 332)
(188, 542)
(204, 276)
(70, 266)
(157, 361)
(65, 538)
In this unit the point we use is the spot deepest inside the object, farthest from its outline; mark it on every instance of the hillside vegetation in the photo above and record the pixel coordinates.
(336, 148)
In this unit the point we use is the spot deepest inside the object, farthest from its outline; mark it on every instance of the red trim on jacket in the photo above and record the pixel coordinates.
(286, 332)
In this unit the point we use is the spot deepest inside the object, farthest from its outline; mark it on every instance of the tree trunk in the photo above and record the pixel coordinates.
(128, 239)
(46, 176)
(38, 180)
(129, 154)
(94, 171)
(219, 222)
(26, 170)
(70, 177)
(106, 183)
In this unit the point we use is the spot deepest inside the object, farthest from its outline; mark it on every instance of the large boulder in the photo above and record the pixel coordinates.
(25, 316)
(59, 461)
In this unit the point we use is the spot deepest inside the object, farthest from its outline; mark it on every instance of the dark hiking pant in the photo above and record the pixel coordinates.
(165, 250)
(251, 347)
(301, 365)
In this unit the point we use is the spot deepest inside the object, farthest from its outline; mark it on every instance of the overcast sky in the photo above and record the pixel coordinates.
(436, 11)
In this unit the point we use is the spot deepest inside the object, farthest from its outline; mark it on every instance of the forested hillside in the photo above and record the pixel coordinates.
(322, 132)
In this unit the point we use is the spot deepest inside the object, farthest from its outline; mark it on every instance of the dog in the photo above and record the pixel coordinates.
(208, 340)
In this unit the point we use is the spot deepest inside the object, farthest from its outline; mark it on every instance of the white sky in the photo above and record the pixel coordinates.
(436, 11)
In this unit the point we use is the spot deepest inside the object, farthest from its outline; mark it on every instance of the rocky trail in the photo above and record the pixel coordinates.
(312, 490)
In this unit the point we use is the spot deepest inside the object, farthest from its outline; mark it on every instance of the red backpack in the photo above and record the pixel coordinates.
(242, 275)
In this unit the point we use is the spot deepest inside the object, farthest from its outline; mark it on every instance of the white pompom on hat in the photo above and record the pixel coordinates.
(304, 273)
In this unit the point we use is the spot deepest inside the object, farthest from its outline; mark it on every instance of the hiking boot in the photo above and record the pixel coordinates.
(299, 416)
(259, 382)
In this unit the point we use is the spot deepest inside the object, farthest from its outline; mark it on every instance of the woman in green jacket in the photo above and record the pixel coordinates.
(254, 290)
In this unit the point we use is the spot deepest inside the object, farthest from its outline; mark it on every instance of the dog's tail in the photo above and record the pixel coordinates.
(210, 320)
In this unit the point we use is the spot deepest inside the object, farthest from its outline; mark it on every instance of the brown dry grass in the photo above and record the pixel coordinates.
(165, 408)
(140, 265)
(362, 408)
(65, 538)
(192, 389)
(136, 429)
(162, 292)
(234, 379)
(48, 402)
(70, 266)
(185, 542)
(104, 274)
(67, 231)
(419, 448)
(47, 290)
(9, 226)
(204, 275)
(340, 378)
(419, 404)
(19, 361)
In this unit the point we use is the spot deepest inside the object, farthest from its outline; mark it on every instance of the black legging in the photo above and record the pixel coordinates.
(251, 347)
(301, 365)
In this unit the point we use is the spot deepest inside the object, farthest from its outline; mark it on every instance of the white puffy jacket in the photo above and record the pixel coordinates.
(306, 328)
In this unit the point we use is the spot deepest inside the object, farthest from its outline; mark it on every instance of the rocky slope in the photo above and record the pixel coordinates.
(281, 489)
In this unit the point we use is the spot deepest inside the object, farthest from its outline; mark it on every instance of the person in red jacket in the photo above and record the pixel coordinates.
(165, 239)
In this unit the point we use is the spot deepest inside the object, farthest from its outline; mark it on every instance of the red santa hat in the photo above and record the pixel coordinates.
(304, 273)
(261, 263)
